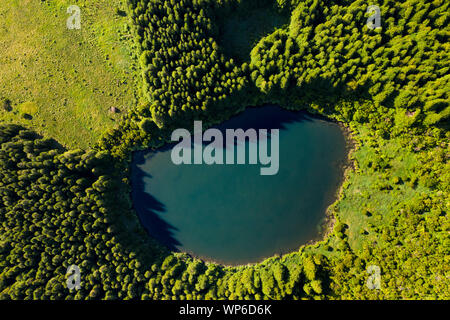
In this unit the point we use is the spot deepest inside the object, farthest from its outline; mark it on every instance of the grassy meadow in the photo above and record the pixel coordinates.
(62, 83)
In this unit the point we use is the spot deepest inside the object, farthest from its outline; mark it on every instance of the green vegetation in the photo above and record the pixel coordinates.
(241, 27)
(61, 208)
(389, 86)
(71, 77)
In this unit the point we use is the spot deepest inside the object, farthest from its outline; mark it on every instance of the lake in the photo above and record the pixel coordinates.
(232, 214)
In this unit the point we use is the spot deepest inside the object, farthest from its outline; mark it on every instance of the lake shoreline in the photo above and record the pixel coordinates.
(325, 227)
(348, 165)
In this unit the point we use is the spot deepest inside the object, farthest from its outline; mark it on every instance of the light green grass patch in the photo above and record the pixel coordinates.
(28, 107)
(66, 79)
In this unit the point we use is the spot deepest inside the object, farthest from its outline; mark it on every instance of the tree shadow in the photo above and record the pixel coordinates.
(46, 144)
(268, 117)
(264, 117)
(242, 24)
(121, 13)
(148, 208)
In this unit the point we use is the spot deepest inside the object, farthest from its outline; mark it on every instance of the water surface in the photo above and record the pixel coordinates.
(232, 214)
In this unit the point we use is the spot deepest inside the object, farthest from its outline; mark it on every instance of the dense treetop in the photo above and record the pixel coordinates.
(324, 56)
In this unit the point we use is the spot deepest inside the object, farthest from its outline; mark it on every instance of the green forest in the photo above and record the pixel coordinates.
(389, 86)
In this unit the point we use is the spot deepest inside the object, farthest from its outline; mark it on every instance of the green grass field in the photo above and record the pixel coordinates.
(62, 82)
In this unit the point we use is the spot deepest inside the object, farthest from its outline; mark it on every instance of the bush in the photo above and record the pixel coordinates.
(5, 104)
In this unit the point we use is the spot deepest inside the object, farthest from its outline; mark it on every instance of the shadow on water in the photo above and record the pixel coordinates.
(151, 211)
(265, 117)
(149, 208)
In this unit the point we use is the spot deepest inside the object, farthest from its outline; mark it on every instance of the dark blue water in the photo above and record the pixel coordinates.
(232, 214)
